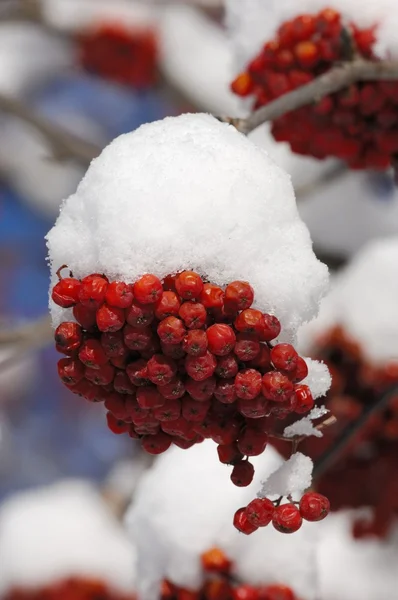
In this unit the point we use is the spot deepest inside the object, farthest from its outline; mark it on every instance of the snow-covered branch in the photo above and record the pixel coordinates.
(334, 80)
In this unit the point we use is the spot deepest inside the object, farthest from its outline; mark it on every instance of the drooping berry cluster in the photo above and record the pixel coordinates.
(366, 474)
(179, 361)
(119, 54)
(75, 588)
(358, 124)
(219, 584)
(286, 518)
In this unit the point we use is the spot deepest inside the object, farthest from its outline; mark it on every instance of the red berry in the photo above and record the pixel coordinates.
(242, 473)
(149, 397)
(227, 366)
(277, 592)
(171, 330)
(262, 362)
(246, 347)
(250, 321)
(225, 391)
(193, 314)
(229, 454)
(287, 518)
(161, 369)
(195, 342)
(137, 372)
(276, 387)
(305, 401)
(70, 370)
(66, 292)
(115, 403)
(139, 315)
(201, 391)
(242, 85)
(110, 318)
(116, 425)
(245, 592)
(239, 294)
(101, 376)
(137, 338)
(170, 411)
(221, 339)
(119, 294)
(307, 54)
(252, 442)
(179, 427)
(86, 317)
(254, 409)
(173, 390)
(122, 384)
(215, 561)
(248, 384)
(242, 523)
(167, 306)
(260, 512)
(284, 357)
(92, 393)
(92, 291)
(92, 354)
(200, 367)
(193, 410)
(156, 444)
(300, 372)
(173, 350)
(270, 328)
(223, 431)
(113, 344)
(189, 285)
(68, 337)
(314, 507)
(148, 289)
(211, 296)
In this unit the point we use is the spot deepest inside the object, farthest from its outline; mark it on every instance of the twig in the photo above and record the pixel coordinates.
(25, 338)
(295, 440)
(332, 454)
(64, 145)
(328, 83)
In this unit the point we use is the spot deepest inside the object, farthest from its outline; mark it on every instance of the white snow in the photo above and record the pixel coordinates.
(190, 191)
(253, 22)
(184, 506)
(364, 301)
(305, 426)
(318, 378)
(295, 475)
(60, 531)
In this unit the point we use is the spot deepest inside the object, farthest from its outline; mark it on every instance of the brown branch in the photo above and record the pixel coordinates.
(63, 144)
(334, 80)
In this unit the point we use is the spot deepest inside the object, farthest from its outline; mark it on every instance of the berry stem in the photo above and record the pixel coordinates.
(330, 456)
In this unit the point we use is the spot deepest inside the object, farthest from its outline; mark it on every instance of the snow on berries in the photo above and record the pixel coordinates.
(356, 124)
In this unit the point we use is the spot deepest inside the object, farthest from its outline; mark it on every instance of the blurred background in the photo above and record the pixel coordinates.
(74, 74)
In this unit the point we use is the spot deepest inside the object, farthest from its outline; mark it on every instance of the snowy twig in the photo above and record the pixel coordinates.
(332, 454)
(64, 145)
(297, 439)
(334, 80)
(24, 338)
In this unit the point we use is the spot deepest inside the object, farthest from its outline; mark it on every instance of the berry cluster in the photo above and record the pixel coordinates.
(366, 474)
(286, 518)
(121, 55)
(179, 361)
(69, 589)
(358, 124)
(219, 584)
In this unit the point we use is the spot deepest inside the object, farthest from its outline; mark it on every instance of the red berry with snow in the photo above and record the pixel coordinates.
(284, 357)
(314, 507)
(305, 401)
(286, 518)
(167, 306)
(248, 384)
(119, 294)
(66, 292)
(92, 291)
(189, 285)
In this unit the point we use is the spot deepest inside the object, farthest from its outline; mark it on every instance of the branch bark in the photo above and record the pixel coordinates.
(334, 80)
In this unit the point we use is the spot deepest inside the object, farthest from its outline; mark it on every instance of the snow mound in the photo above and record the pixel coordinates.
(61, 531)
(191, 192)
(251, 23)
(364, 302)
(184, 506)
(295, 475)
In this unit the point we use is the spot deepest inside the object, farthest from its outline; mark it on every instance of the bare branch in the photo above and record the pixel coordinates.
(64, 145)
(328, 83)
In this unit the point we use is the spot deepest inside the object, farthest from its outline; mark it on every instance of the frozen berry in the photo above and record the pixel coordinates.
(246, 347)
(173, 390)
(229, 454)
(66, 292)
(305, 400)
(86, 317)
(239, 294)
(101, 376)
(314, 507)
(170, 411)
(116, 425)
(211, 296)
(201, 391)
(119, 294)
(140, 315)
(252, 442)
(167, 306)
(189, 285)
(225, 391)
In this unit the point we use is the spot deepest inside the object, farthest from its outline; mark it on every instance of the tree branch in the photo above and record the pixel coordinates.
(334, 80)
(64, 145)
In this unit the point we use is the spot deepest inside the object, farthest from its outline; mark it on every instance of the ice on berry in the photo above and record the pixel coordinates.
(62, 531)
(184, 506)
(191, 192)
(295, 475)
(363, 300)
(305, 426)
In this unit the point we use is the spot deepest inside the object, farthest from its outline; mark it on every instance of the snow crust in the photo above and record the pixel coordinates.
(60, 531)
(364, 301)
(191, 192)
(305, 426)
(253, 22)
(184, 506)
(294, 475)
